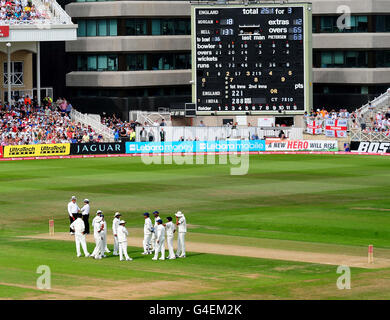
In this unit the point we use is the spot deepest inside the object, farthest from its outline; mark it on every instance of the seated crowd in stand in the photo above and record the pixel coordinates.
(123, 130)
(20, 10)
(26, 123)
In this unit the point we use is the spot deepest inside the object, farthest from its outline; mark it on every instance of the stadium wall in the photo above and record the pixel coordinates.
(76, 149)
(131, 149)
(276, 146)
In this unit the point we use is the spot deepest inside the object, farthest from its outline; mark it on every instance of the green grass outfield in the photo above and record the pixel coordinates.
(324, 203)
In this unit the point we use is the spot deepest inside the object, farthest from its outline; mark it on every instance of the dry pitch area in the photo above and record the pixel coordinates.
(253, 252)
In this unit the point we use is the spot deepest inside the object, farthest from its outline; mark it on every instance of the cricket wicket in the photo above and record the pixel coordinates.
(370, 253)
(51, 227)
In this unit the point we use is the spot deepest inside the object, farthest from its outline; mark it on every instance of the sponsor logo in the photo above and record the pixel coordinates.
(53, 149)
(1, 151)
(38, 150)
(300, 145)
(97, 148)
(370, 147)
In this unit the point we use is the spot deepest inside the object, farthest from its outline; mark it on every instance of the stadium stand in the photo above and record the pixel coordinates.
(25, 123)
(22, 11)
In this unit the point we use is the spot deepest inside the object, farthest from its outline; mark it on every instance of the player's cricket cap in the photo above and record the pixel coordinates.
(169, 218)
(73, 198)
(86, 200)
(178, 214)
(122, 222)
(99, 212)
(159, 221)
(117, 214)
(156, 212)
(146, 214)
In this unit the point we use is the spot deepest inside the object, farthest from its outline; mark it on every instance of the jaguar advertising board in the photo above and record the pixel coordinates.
(98, 148)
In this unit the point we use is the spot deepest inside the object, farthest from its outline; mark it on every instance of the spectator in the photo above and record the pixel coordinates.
(68, 109)
(116, 136)
(162, 135)
(132, 135)
(150, 136)
(123, 134)
(282, 135)
(362, 123)
(143, 135)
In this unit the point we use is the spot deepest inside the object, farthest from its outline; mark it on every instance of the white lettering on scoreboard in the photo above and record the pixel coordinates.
(252, 59)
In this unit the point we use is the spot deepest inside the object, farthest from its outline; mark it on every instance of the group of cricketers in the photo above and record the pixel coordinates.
(155, 233)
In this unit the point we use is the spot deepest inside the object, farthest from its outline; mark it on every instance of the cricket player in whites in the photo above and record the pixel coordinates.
(115, 225)
(170, 229)
(97, 218)
(98, 227)
(160, 241)
(104, 236)
(122, 240)
(78, 228)
(153, 240)
(182, 229)
(148, 231)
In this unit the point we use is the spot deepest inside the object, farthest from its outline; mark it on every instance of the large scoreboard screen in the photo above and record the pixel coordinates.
(251, 58)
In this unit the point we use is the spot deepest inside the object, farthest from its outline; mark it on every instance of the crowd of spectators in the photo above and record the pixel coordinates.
(26, 123)
(20, 10)
(123, 130)
(322, 114)
(374, 122)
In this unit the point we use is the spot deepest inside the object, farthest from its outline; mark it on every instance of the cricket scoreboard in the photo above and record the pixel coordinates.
(251, 58)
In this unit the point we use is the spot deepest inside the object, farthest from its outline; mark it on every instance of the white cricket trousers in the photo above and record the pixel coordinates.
(170, 246)
(105, 249)
(160, 247)
(123, 250)
(181, 246)
(116, 246)
(153, 242)
(146, 242)
(80, 239)
(98, 252)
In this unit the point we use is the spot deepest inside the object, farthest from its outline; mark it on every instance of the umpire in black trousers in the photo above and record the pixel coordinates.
(85, 213)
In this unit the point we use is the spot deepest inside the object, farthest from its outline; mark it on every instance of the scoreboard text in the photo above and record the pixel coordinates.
(249, 59)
